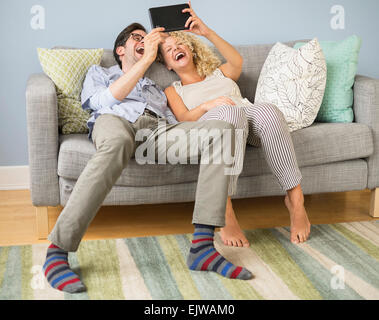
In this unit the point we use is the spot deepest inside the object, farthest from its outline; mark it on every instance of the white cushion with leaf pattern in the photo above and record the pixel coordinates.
(294, 80)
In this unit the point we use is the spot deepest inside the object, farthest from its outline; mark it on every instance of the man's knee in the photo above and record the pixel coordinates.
(124, 144)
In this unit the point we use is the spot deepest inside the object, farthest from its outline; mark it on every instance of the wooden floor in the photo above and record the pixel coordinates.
(17, 216)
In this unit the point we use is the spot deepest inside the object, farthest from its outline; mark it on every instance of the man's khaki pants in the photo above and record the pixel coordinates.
(115, 143)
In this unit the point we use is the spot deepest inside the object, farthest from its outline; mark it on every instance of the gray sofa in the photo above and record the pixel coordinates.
(333, 157)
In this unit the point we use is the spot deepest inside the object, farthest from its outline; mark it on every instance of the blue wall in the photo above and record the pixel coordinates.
(95, 24)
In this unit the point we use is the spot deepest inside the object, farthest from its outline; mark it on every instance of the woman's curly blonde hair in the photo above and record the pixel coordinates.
(204, 58)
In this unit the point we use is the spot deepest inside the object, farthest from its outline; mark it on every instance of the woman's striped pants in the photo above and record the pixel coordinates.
(263, 125)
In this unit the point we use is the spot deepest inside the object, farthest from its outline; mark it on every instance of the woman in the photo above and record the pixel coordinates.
(208, 90)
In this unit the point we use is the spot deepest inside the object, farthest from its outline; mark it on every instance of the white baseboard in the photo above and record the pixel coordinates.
(14, 178)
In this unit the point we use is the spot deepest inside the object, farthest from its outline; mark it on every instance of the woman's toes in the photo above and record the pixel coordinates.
(294, 238)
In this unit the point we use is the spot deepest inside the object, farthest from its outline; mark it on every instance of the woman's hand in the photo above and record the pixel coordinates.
(220, 101)
(195, 24)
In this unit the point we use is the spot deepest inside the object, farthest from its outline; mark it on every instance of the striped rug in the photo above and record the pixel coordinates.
(339, 261)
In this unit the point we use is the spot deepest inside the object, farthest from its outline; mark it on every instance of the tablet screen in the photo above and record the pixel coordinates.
(170, 17)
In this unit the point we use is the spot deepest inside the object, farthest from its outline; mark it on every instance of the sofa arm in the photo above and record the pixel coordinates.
(366, 110)
(43, 140)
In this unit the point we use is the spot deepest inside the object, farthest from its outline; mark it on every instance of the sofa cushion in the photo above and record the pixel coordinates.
(342, 61)
(67, 69)
(318, 144)
(294, 80)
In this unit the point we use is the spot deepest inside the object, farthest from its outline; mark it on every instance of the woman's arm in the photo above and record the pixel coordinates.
(179, 109)
(182, 113)
(234, 61)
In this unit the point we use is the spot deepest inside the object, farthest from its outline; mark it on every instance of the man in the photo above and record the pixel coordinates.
(122, 102)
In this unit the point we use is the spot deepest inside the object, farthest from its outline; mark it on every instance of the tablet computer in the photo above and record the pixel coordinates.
(170, 17)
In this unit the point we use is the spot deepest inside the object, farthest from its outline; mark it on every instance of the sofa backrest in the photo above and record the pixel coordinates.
(254, 57)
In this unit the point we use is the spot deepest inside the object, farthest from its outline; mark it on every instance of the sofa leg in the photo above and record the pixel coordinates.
(374, 205)
(42, 219)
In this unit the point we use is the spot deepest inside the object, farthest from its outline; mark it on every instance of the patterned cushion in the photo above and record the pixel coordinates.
(67, 69)
(294, 80)
(342, 61)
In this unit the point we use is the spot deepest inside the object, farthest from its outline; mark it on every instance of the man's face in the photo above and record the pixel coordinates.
(133, 49)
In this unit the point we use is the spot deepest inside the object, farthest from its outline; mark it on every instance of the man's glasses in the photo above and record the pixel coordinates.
(137, 37)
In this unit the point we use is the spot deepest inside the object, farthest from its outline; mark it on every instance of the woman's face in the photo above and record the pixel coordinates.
(176, 55)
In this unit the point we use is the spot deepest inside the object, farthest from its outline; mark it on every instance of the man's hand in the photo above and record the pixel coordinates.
(152, 42)
(122, 87)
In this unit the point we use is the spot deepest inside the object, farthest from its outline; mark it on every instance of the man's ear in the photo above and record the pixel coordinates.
(120, 51)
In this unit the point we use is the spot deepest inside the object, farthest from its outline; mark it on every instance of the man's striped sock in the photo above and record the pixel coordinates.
(204, 257)
(58, 273)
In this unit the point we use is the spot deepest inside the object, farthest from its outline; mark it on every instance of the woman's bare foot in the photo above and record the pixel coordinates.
(231, 234)
(300, 225)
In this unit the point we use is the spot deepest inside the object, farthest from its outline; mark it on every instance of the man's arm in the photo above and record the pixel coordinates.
(121, 88)
(96, 94)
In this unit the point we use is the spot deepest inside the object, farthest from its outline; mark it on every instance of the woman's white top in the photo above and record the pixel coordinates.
(212, 87)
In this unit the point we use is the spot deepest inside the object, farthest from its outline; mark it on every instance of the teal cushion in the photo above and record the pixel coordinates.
(342, 61)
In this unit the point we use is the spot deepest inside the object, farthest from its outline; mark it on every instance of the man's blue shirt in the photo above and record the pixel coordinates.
(98, 99)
